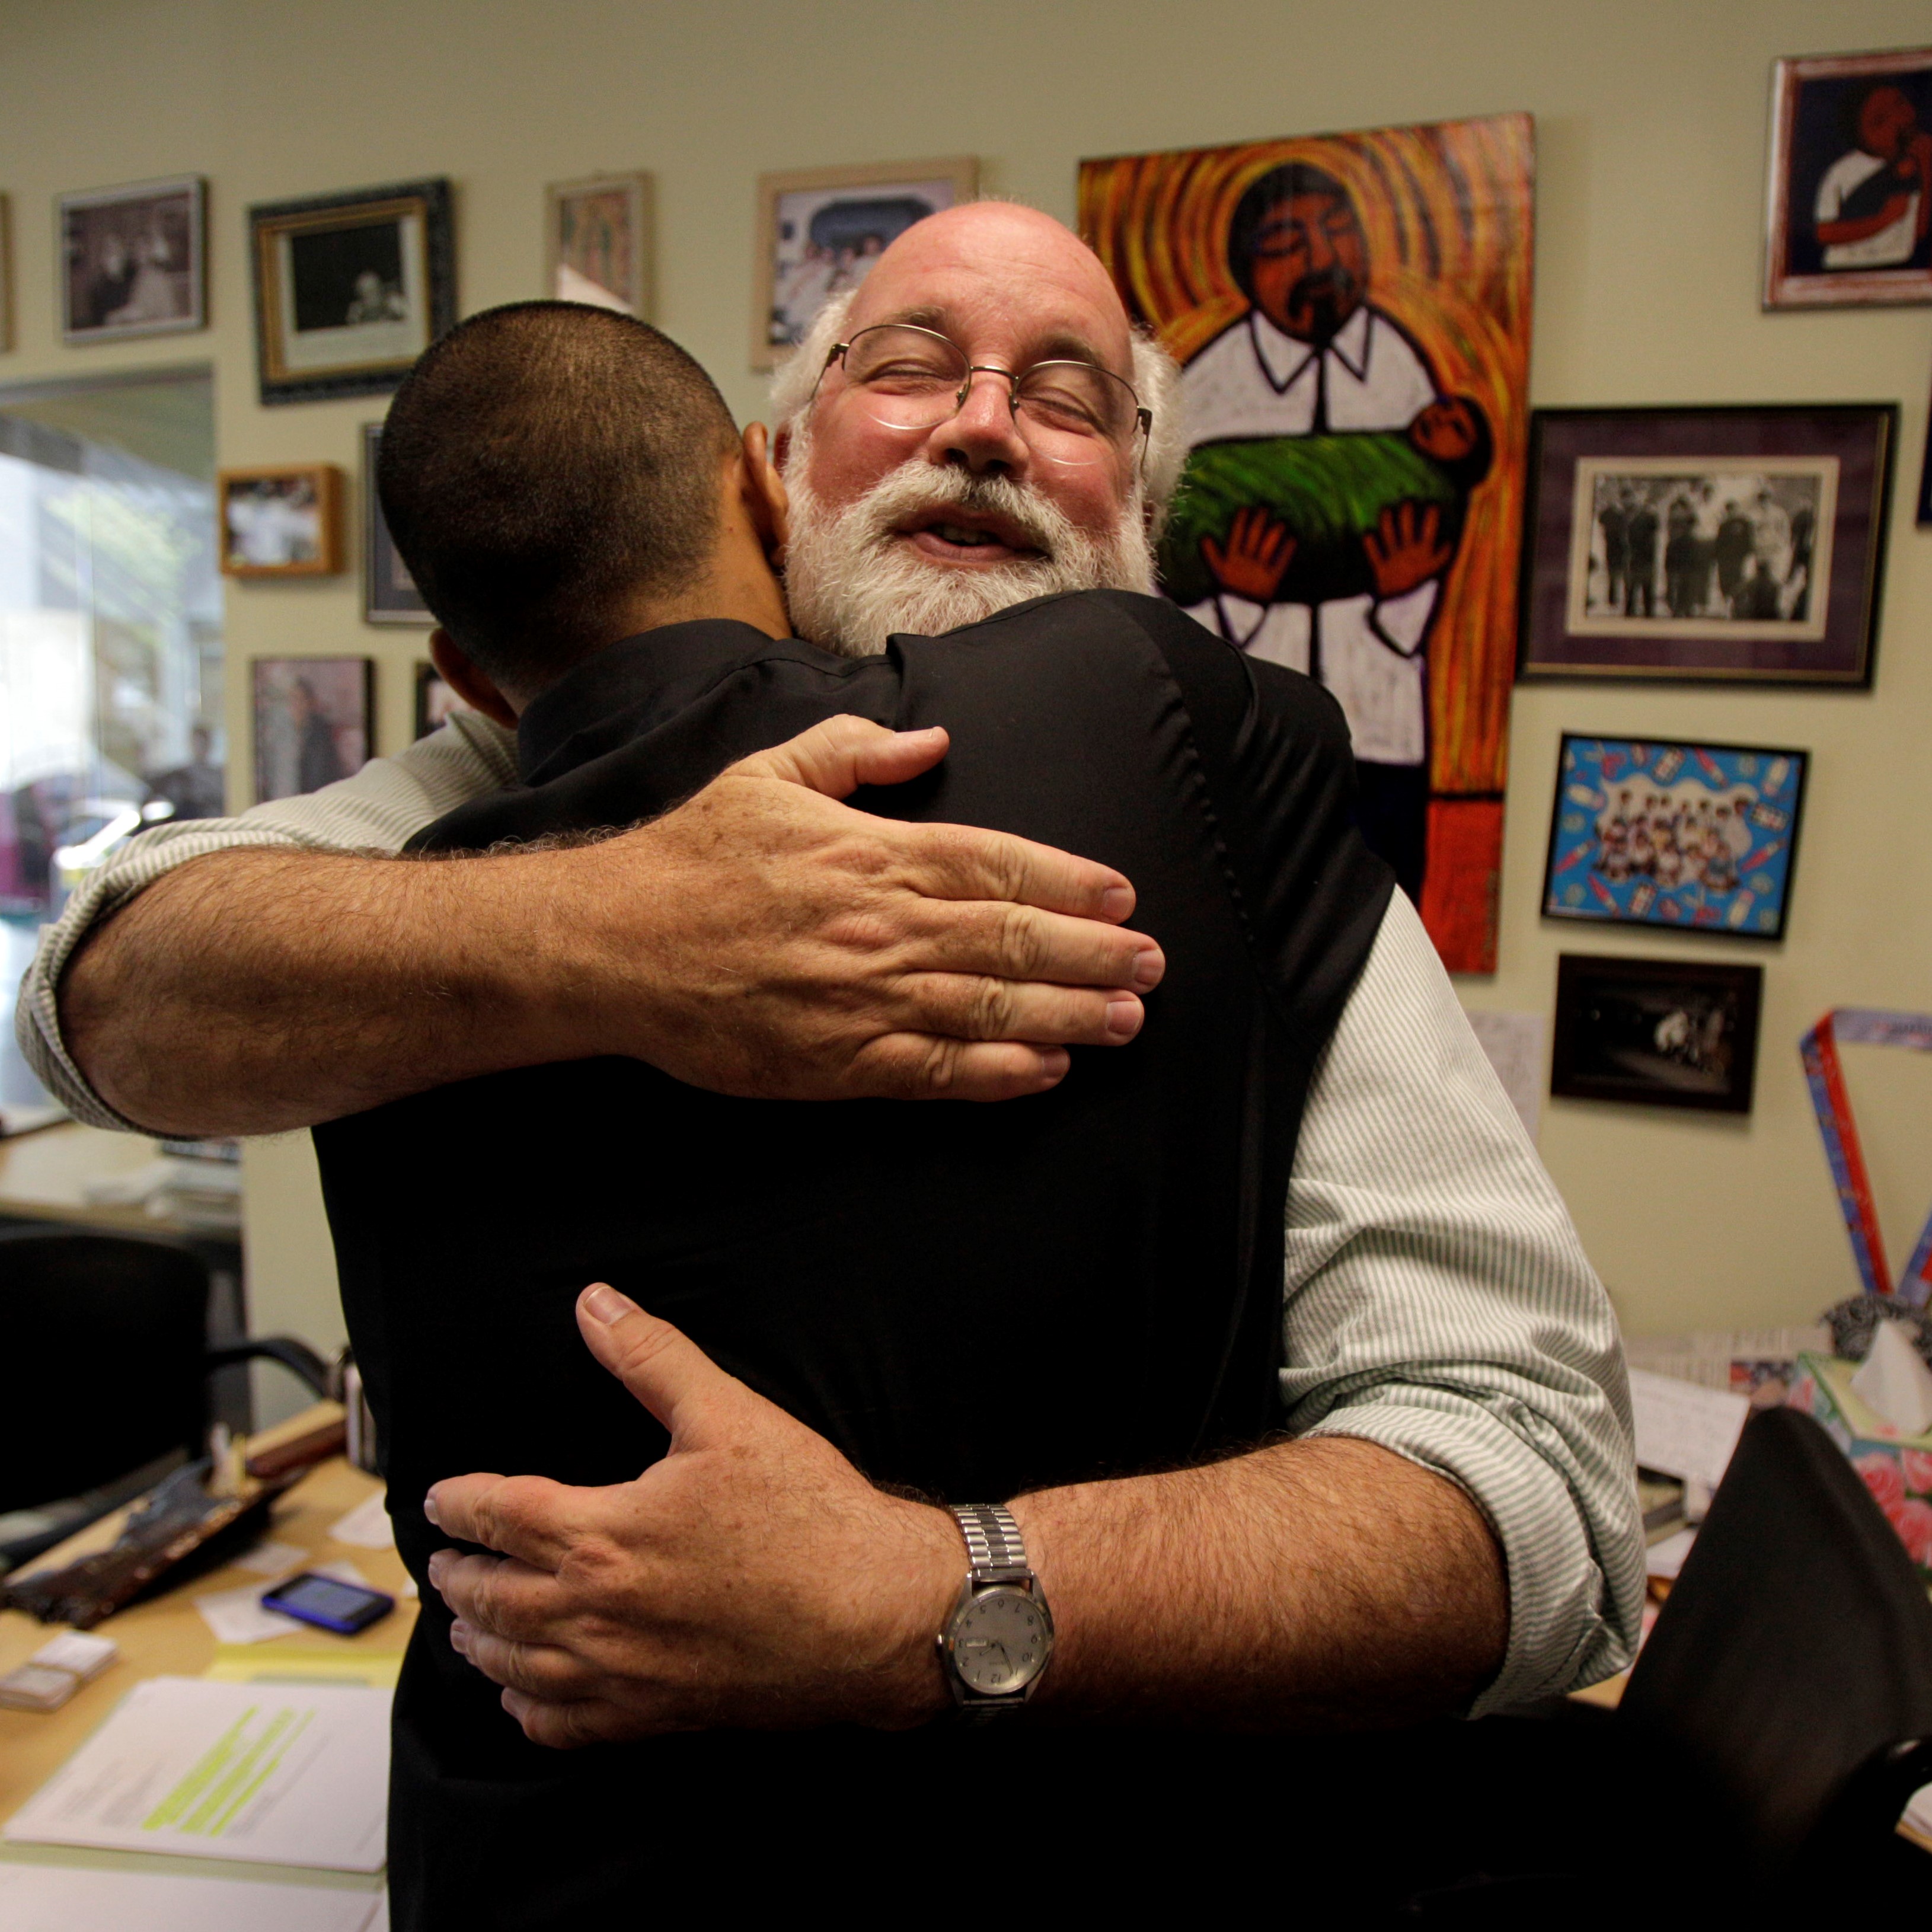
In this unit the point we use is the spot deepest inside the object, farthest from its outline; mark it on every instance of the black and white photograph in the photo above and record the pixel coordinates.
(312, 718)
(131, 260)
(1727, 549)
(820, 231)
(1720, 543)
(281, 522)
(350, 288)
(389, 592)
(1656, 1033)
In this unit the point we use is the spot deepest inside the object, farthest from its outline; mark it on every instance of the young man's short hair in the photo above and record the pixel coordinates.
(543, 466)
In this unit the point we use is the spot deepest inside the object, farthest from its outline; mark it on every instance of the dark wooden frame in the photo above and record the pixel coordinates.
(1858, 578)
(378, 546)
(1801, 758)
(431, 199)
(1576, 972)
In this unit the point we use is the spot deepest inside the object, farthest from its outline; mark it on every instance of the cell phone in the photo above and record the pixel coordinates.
(328, 1603)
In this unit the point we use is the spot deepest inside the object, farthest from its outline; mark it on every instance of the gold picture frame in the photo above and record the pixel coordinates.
(852, 225)
(280, 519)
(599, 241)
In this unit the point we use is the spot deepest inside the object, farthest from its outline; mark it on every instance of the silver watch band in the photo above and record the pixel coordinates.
(993, 1544)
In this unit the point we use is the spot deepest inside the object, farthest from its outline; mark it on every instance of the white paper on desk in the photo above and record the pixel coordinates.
(271, 1559)
(236, 1616)
(277, 1774)
(1514, 1043)
(58, 1898)
(368, 1525)
(1683, 1429)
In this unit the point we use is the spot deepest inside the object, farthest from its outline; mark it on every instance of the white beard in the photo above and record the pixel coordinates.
(851, 581)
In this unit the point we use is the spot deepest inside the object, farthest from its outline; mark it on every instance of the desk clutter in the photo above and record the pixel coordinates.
(202, 1762)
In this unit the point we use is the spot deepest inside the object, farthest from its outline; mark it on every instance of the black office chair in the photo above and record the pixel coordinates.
(1776, 1723)
(1790, 1672)
(107, 1383)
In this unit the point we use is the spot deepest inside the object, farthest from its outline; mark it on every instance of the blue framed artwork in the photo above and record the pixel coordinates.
(1701, 838)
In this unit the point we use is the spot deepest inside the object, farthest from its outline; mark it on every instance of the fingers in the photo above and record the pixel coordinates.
(508, 1599)
(968, 1007)
(837, 756)
(921, 1066)
(961, 862)
(1017, 943)
(1217, 558)
(539, 1669)
(667, 1371)
(569, 1726)
(528, 1517)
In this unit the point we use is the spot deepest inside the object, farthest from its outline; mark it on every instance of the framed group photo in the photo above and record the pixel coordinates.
(1656, 1033)
(350, 288)
(821, 230)
(133, 260)
(597, 243)
(282, 520)
(1848, 217)
(389, 592)
(1692, 837)
(1735, 545)
(312, 719)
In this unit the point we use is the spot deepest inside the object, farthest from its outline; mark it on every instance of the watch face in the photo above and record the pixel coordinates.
(1000, 1641)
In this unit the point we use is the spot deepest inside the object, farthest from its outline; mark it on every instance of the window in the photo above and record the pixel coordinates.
(110, 635)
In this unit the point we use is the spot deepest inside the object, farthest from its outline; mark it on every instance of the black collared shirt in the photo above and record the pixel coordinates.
(966, 1300)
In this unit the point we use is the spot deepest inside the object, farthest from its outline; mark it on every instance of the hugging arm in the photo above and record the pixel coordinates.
(761, 939)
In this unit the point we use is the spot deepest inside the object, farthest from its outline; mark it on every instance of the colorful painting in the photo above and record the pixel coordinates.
(1700, 837)
(1352, 315)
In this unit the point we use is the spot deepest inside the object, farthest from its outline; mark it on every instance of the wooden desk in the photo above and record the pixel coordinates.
(44, 1176)
(166, 1636)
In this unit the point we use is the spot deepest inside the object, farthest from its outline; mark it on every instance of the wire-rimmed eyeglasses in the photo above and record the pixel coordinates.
(1068, 411)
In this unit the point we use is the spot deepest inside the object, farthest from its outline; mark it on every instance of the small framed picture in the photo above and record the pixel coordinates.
(437, 702)
(1925, 479)
(1695, 838)
(1848, 217)
(597, 243)
(285, 520)
(389, 592)
(132, 260)
(350, 288)
(1740, 545)
(312, 720)
(1658, 1033)
(6, 275)
(820, 231)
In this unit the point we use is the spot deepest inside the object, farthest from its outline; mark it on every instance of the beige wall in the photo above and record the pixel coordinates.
(1650, 120)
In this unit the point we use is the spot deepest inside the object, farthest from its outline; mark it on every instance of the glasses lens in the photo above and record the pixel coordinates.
(911, 375)
(1074, 412)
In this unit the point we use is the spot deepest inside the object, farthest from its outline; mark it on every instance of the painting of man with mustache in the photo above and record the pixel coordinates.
(1351, 315)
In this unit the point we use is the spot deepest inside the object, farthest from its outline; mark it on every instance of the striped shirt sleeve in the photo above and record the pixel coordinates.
(1438, 1302)
(377, 811)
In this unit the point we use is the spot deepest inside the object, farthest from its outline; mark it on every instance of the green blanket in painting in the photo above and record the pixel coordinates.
(1329, 491)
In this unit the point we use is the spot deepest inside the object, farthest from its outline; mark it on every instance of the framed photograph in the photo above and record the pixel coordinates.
(1925, 479)
(312, 722)
(6, 276)
(284, 520)
(1848, 208)
(1727, 544)
(1697, 838)
(132, 259)
(597, 242)
(1659, 1033)
(437, 702)
(350, 288)
(389, 592)
(820, 231)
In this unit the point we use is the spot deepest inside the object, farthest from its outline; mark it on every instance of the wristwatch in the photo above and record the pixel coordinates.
(999, 1639)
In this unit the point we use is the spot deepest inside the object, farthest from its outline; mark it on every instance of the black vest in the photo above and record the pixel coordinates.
(967, 1300)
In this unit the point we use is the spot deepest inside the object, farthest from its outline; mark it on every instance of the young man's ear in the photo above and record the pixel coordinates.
(766, 500)
(474, 687)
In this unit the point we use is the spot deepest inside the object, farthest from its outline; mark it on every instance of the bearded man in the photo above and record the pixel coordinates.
(1450, 1525)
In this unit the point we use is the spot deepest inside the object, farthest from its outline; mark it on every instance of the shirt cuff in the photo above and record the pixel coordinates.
(1563, 1627)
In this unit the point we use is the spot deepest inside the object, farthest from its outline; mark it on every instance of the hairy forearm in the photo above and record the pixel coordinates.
(253, 991)
(1315, 1585)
